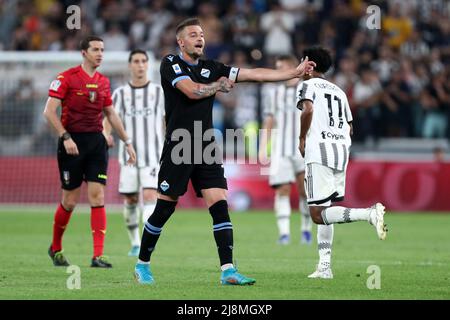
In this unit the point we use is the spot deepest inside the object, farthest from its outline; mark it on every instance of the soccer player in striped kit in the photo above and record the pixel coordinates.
(287, 166)
(140, 105)
(325, 144)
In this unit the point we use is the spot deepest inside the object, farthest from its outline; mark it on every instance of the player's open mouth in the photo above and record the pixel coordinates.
(200, 46)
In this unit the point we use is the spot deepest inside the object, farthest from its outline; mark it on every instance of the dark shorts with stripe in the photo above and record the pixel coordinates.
(90, 165)
(173, 177)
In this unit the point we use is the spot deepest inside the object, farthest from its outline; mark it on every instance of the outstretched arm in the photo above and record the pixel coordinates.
(194, 90)
(272, 75)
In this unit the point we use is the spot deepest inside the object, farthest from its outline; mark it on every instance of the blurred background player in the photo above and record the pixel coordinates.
(84, 95)
(287, 164)
(325, 144)
(140, 105)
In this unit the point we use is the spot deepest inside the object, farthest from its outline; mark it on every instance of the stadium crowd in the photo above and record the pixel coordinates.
(396, 77)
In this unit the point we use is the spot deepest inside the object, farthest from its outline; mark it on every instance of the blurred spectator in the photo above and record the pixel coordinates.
(366, 97)
(415, 48)
(278, 25)
(396, 111)
(409, 57)
(435, 101)
(385, 64)
(397, 26)
(115, 39)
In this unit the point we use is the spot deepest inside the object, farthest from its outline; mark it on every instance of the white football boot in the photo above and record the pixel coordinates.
(321, 273)
(376, 218)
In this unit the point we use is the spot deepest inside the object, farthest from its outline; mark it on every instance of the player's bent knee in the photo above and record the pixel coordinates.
(316, 215)
(284, 190)
(131, 199)
(69, 205)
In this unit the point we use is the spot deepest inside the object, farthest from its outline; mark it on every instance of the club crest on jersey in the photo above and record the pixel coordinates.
(176, 68)
(164, 186)
(205, 73)
(92, 96)
(66, 177)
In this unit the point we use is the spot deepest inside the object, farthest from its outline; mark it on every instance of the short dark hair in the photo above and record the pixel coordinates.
(287, 57)
(136, 51)
(84, 44)
(187, 22)
(320, 56)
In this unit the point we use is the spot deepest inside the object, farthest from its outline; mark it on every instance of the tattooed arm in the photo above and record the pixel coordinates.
(194, 90)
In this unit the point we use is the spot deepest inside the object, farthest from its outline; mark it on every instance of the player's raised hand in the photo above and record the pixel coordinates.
(71, 147)
(305, 67)
(225, 84)
(132, 154)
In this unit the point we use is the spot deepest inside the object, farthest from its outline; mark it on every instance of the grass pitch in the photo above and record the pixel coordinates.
(414, 260)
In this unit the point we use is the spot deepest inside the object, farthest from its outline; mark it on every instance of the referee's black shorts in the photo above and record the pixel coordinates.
(90, 165)
(173, 178)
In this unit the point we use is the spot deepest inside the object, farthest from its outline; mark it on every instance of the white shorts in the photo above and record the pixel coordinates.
(284, 170)
(323, 185)
(133, 178)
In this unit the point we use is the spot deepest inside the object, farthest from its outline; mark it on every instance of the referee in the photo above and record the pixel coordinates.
(84, 96)
(190, 85)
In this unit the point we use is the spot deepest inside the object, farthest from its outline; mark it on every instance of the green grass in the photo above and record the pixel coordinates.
(414, 260)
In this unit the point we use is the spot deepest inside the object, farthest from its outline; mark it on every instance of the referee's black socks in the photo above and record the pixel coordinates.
(223, 231)
(153, 227)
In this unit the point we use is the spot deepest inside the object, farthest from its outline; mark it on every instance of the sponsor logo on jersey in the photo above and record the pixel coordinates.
(205, 73)
(170, 58)
(55, 85)
(91, 85)
(92, 96)
(330, 135)
(102, 176)
(176, 68)
(164, 186)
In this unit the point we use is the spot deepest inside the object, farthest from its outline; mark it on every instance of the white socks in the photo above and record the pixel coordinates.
(344, 215)
(283, 213)
(149, 207)
(131, 216)
(324, 243)
(306, 221)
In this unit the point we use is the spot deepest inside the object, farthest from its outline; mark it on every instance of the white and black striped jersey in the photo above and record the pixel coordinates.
(328, 139)
(281, 102)
(142, 112)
